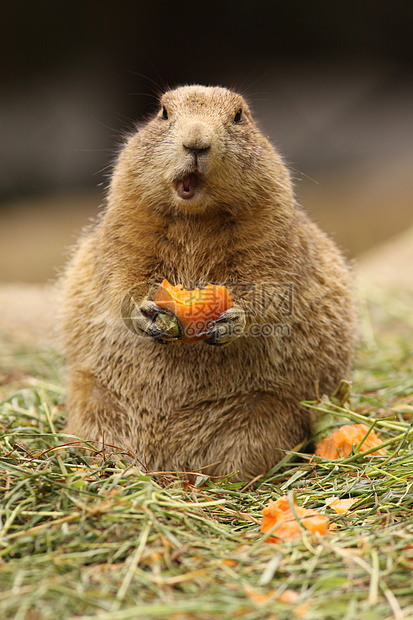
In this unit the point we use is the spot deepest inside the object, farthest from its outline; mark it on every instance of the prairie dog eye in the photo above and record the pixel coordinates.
(164, 113)
(238, 116)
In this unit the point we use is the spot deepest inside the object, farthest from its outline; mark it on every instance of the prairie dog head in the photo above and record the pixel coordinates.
(201, 152)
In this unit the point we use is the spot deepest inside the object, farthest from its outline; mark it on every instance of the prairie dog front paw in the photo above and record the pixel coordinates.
(226, 328)
(150, 321)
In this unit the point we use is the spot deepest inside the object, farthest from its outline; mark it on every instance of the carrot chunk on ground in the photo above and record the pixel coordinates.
(279, 513)
(341, 442)
(340, 505)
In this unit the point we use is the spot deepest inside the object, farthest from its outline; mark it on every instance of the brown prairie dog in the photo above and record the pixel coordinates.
(199, 195)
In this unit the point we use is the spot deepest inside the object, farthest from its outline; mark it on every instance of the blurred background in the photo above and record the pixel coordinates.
(331, 84)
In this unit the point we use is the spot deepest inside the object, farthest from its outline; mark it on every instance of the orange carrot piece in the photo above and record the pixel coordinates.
(279, 513)
(340, 443)
(196, 309)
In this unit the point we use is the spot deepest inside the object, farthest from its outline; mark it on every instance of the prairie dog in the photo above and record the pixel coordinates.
(199, 195)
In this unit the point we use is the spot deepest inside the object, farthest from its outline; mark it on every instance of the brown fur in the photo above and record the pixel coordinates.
(190, 406)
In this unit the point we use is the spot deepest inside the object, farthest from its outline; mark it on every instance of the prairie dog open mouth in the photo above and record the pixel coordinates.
(187, 186)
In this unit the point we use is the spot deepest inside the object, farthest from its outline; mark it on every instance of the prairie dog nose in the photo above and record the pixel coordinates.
(195, 137)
